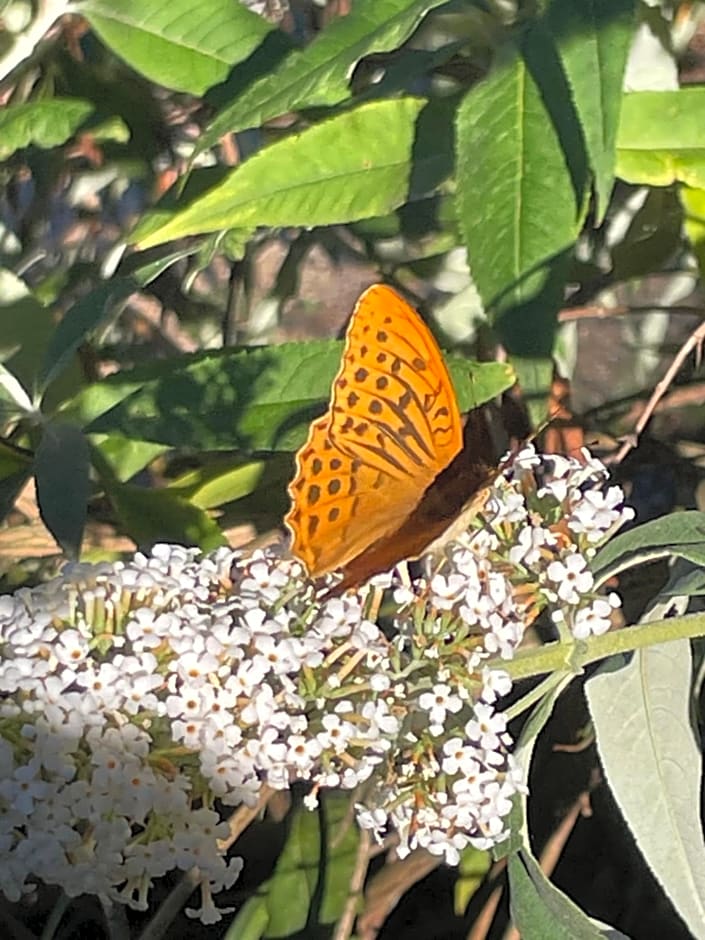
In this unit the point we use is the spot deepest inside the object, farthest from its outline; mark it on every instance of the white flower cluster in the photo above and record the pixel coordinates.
(135, 695)
(526, 550)
(530, 549)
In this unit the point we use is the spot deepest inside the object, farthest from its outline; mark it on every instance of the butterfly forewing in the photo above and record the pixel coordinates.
(393, 404)
(392, 426)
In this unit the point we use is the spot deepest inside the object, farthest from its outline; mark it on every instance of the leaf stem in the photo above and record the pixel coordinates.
(576, 654)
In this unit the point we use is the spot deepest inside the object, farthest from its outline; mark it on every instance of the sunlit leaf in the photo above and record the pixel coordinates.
(680, 534)
(254, 399)
(593, 40)
(41, 123)
(661, 137)
(320, 73)
(182, 45)
(353, 166)
(158, 515)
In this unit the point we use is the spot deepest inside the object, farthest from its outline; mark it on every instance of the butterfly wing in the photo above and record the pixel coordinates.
(392, 426)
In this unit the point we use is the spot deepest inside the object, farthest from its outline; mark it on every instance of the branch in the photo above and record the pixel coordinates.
(694, 341)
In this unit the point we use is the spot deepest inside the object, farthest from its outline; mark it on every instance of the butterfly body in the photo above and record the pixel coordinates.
(375, 482)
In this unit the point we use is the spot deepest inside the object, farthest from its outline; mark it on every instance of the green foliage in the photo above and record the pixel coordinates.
(320, 75)
(405, 134)
(651, 696)
(41, 123)
(186, 47)
(660, 138)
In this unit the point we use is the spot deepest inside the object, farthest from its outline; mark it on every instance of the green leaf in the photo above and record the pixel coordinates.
(342, 846)
(320, 74)
(260, 398)
(41, 123)
(593, 40)
(251, 920)
(472, 870)
(653, 236)
(545, 696)
(182, 45)
(149, 516)
(26, 327)
(535, 375)
(84, 316)
(311, 882)
(292, 887)
(539, 910)
(522, 184)
(353, 166)
(661, 137)
(126, 456)
(219, 482)
(15, 470)
(266, 503)
(478, 382)
(653, 766)
(681, 534)
(693, 201)
(61, 470)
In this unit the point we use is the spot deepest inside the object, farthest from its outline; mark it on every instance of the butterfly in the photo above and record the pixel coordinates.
(384, 471)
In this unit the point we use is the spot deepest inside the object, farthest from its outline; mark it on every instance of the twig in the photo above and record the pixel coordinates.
(482, 924)
(387, 887)
(591, 312)
(171, 906)
(344, 927)
(603, 312)
(244, 815)
(694, 341)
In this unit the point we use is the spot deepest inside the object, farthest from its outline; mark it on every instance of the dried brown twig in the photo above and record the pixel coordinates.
(694, 342)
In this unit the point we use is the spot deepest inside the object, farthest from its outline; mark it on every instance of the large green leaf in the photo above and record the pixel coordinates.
(61, 468)
(522, 182)
(653, 765)
(693, 201)
(41, 123)
(342, 843)
(125, 456)
(310, 885)
(150, 515)
(661, 137)
(219, 481)
(320, 74)
(681, 534)
(353, 166)
(79, 320)
(254, 399)
(539, 910)
(182, 45)
(593, 40)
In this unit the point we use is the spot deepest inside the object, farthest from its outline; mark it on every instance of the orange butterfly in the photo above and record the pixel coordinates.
(383, 471)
